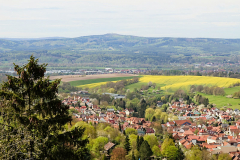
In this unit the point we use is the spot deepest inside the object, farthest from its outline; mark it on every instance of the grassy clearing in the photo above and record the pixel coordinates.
(230, 91)
(97, 82)
(221, 101)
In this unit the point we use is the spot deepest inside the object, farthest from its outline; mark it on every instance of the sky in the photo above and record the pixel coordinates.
(147, 18)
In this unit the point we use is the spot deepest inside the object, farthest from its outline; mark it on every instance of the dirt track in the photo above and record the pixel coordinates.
(69, 78)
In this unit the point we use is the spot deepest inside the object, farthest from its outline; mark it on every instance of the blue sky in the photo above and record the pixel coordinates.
(148, 18)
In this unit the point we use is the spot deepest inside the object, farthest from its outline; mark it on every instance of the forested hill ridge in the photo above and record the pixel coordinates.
(120, 51)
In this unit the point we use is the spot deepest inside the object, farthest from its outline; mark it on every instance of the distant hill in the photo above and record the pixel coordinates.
(118, 51)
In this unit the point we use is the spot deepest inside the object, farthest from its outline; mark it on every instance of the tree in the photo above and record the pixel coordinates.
(194, 154)
(129, 131)
(142, 107)
(149, 113)
(151, 139)
(133, 156)
(196, 131)
(133, 141)
(224, 156)
(127, 144)
(138, 145)
(145, 150)
(33, 118)
(139, 142)
(118, 154)
(98, 144)
(119, 127)
(166, 143)
(156, 151)
(171, 152)
(104, 157)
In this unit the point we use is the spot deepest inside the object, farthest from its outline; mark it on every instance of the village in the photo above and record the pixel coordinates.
(216, 130)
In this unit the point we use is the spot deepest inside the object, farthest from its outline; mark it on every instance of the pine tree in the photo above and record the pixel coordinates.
(32, 118)
(127, 144)
(143, 106)
(154, 119)
(140, 143)
(145, 150)
(133, 156)
(119, 127)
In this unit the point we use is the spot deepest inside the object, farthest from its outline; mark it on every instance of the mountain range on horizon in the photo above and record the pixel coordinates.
(107, 34)
(119, 50)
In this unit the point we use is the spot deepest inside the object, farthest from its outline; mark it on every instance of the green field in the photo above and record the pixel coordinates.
(99, 80)
(229, 91)
(221, 101)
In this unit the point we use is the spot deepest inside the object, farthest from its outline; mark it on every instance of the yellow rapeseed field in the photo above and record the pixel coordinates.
(92, 85)
(179, 82)
(184, 82)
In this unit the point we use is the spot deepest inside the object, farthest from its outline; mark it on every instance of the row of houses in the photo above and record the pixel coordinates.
(210, 128)
(93, 114)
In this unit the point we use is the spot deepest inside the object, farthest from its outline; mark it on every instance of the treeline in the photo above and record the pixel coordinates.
(208, 90)
(229, 74)
(150, 84)
(114, 87)
(236, 94)
(201, 100)
(189, 98)
(67, 88)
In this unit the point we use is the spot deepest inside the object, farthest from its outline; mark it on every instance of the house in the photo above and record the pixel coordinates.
(159, 103)
(233, 130)
(213, 139)
(183, 122)
(109, 147)
(150, 131)
(128, 111)
(141, 132)
(224, 149)
(110, 110)
(236, 111)
(83, 108)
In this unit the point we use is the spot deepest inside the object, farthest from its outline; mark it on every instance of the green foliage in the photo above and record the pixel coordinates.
(98, 144)
(224, 156)
(156, 151)
(151, 139)
(127, 144)
(236, 94)
(133, 156)
(90, 131)
(166, 143)
(129, 131)
(195, 153)
(145, 150)
(133, 141)
(171, 152)
(142, 107)
(67, 88)
(34, 118)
